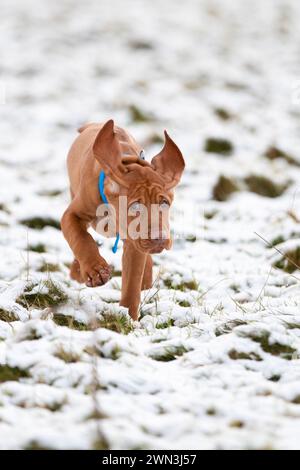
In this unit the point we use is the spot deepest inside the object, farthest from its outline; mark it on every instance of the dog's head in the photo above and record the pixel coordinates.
(140, 192)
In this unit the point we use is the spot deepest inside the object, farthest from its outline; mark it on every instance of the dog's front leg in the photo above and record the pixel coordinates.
(93, 268)
(133, 266)
(147, 281)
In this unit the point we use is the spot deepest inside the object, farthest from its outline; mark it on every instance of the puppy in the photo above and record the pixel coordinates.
(113, 186)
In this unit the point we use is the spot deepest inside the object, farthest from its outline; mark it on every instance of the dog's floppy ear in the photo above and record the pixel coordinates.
(169, 162)
(107, 151)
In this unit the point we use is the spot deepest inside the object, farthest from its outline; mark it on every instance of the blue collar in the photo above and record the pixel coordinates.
(104, 199)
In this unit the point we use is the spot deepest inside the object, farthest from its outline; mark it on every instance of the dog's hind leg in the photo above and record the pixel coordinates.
(147, 281)
(75, 266)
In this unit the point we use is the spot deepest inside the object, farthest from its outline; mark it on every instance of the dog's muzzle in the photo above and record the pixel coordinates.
(156, 244)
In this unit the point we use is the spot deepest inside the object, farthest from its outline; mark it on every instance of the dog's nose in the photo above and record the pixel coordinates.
(158, 241)
(158, 244)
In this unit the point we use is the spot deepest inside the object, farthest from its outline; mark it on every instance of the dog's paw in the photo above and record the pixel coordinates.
(96, 273)
(75, 271)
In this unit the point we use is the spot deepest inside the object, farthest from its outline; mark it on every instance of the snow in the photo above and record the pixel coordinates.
(64, 63)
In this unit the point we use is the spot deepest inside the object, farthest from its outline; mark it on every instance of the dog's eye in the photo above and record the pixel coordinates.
(134, 208)
(164, 204)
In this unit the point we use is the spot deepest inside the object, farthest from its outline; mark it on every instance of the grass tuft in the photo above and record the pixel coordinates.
(49, 295)
(276, 348)
(191, 238)
(220, 146)
(67, 356)
(236, 355)
(273, 153)
(3, 208)
(237, 424)
(182, 286)
(223, 114)
(224, 188)
(264, 186)
(184, 303)
(290, 261)
(138, 115)
(7, 316)
(118, 323)
(227, 327)
(8, 373)
(275, 378)
(169, 353)
(276, 241)
(38, 223)
(49, 268)
(38, 248)
(35, 445)
(296, 400)
(70, 322)
(166, 324)
(100, 444)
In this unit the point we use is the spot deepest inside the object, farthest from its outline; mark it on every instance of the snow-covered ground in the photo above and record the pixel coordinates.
(215, 360)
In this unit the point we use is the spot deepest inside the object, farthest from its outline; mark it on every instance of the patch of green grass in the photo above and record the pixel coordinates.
(166, 324)
(223, 114)
(49, 294)
(290, 261)
(70, 322)
(275, 349)
(275, 378)
(273, 153)
(35, 445)
(235, 287)
(51, 193)
(227, 327)
(118, 323)
(38, 248)
(276, 241)
(224, 188)
(3, 208)
(264, 186)
(184, 303)
(141, 44)
(114, 354)
(156, 139)
(296, 400)
(8, 373)
(32, 333)
(49, 268)
(211, 411)
(210, 214)
(191, 238)
(218, 145)
(100, 444)
(67, 356)
(38, 223)
(182, 286)
(138, 115)
(237, 424)
(236, 355)
(169, 353)
(292, 325)
(7, 316)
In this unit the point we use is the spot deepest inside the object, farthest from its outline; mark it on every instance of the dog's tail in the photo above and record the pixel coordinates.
(86, 126)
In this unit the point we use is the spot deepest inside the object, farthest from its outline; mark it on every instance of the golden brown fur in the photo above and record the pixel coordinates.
(112, 149)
